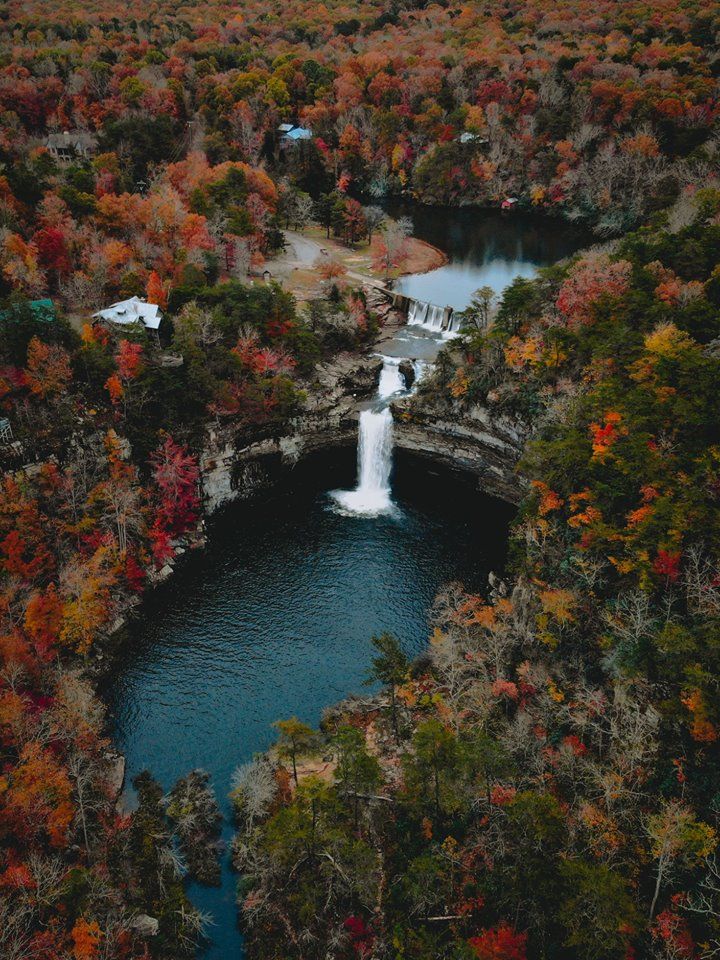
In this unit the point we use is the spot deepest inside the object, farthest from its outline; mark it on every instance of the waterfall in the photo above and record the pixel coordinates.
(421, 368)
(453, 324)
(371, 496)
(417, 313)
(391, 380)
(427, 315)
(435, 317)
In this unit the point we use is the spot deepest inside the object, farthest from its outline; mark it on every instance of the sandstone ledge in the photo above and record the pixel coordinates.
(486, 445)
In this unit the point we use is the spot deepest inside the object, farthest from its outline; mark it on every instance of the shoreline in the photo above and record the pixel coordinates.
(429, 258)
(295, 268)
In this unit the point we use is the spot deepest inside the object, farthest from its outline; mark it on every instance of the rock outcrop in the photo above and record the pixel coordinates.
(408, 371)
(235, 466)
(486, 444)
(145, 925)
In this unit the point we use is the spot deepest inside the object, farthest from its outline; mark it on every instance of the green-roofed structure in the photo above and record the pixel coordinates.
(40, 309)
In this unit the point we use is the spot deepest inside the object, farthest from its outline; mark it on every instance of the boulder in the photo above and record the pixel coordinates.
(408, 371)
(115, 773)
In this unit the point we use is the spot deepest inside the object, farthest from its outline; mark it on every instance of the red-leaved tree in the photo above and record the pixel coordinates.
(176, 475)
(500, 943)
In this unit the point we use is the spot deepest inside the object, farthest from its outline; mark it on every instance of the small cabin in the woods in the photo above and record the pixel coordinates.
(133, 310)
(71, 145)
(43, 310)
(291, 134)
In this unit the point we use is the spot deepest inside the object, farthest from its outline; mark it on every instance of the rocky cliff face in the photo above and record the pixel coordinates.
(235, 467)
(487, 445)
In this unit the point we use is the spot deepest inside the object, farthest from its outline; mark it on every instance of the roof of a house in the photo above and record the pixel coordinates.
(40, 309)
(133, 310)
(43, 309)
(298, 133)
(71, 138)
(286, 127)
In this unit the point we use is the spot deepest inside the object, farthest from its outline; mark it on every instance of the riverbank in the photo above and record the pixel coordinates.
(238, 463)
(297, 266)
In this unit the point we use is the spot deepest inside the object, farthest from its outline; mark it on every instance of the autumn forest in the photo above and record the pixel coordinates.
(209, 233)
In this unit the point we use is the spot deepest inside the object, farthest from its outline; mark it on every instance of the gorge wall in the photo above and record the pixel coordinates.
(487, 446)
(236, 466)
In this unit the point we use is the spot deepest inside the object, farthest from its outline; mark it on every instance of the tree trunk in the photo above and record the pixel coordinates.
(393, 713)
(658, 882)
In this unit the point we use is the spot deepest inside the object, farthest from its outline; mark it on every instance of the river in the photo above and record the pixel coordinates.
(275, 618)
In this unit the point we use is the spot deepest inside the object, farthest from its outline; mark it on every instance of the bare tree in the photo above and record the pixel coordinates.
(374, 220)
(701, 579)
(244, 132)
(677, 839)
(254, 787)
(195, 325)
(706, 902)
(304, 209)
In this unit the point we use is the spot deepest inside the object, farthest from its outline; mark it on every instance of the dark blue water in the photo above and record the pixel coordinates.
(274, 619)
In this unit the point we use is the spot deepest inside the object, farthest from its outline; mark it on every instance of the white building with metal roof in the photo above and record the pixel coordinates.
(133, 310)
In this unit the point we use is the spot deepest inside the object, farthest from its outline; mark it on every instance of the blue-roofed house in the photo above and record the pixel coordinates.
(294, 135)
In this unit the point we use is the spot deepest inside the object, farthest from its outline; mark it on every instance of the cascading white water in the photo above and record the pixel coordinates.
(421, 368)
(429, 316)
(435, 318)
(371, 497)
(391, 380)
(454, 325)
(418, 313)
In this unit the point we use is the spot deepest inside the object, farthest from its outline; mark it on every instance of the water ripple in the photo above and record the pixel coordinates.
(275, 619)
